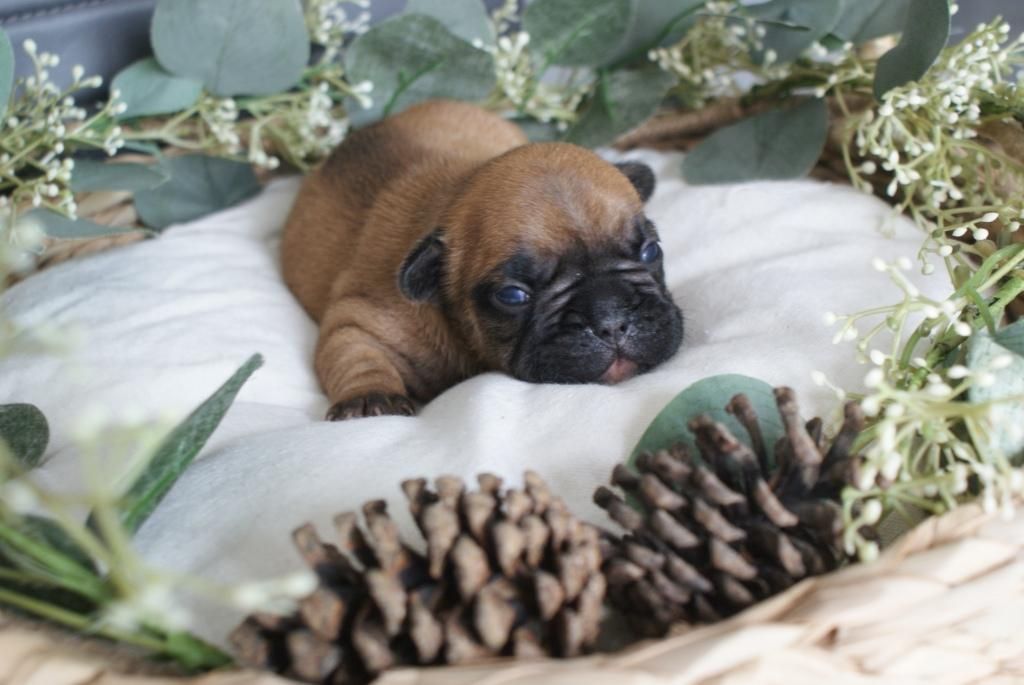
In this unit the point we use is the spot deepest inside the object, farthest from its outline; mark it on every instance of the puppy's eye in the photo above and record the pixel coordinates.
(512, 296)
(650, 253)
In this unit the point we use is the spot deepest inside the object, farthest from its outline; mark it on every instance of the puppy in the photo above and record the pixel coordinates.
(438, 244)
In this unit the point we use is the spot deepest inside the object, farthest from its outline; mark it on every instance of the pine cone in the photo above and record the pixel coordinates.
(732, 527)
(505, 573)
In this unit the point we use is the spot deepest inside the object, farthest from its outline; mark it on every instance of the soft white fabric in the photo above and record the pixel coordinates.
(164, 322)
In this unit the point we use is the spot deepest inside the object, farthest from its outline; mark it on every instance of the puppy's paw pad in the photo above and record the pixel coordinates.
(377, 404)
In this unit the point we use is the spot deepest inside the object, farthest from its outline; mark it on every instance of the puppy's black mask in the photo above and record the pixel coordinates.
(590, 316)
(599, 313)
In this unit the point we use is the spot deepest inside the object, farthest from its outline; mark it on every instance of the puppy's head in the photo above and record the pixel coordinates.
(550, 270)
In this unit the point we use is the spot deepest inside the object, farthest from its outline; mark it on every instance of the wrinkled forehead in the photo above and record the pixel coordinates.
(548, 217)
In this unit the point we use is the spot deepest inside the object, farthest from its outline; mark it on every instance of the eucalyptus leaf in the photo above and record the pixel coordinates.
(864, 20)
(1005, 420)
(624, 99)
(925, 34)
(576, 32)
(467, 19)
(25, 431)
(656, 23)
(777, 145)
(59, 226)
(1012, 337)
(91, 175)
(146, 89)
(538, 131)
(411, 58)
(178, 449)
(234, 47)
(198, 185)
(710, 396)
(6, 72)
(792, 26)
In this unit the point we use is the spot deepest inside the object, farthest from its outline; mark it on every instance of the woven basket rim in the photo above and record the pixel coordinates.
(808, 628)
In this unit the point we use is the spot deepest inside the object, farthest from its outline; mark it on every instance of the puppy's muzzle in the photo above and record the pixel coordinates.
(608, 330)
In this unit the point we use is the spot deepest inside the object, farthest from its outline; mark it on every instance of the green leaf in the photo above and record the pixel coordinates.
(1005, 421)
(924, 36)
(1012, 337)
(198, 185)
(656, 23)
(864, 20)
(711, 396)
(810, 20)
(235, 47)
(776, 145)
(178, 450)
(59, 226)
(193, 653)
(6, 74)
(576, 32)
(411, 58)
(538, 131)
(33, 545)
(466, 19)
(91, 175)
(25, 430)
(49, 532)
(624, 100)
(147, 88)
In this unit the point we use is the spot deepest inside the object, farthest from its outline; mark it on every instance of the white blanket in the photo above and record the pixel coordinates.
(162, 323)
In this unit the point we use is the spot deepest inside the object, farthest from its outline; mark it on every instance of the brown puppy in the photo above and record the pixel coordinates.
(438, 244)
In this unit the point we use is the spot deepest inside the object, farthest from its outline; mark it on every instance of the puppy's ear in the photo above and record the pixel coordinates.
(641, 176)
(419, 279)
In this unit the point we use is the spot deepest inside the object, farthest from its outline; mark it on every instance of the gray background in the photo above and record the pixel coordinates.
(104, 35)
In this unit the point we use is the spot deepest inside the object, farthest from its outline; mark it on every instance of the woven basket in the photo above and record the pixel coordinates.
(944, 605)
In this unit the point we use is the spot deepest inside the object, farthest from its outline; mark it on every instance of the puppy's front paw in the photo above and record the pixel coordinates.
(376, 404)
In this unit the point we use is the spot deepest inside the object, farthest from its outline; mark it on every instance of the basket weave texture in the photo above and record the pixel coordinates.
(944, 605)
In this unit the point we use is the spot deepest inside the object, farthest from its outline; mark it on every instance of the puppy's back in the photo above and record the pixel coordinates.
(438, 138)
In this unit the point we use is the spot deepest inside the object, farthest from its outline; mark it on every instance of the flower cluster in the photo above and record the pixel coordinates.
(107, 588)
(717, 57)
(928, 139)
(332, 22)
(39, 133)
(923, 450)
(520, 88)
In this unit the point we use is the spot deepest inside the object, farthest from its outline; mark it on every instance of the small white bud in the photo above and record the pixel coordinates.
(893, 464)
(868, 552)
(1001, 362)
(871, 406)
(872, 512)
(958, 371)
(985, 380)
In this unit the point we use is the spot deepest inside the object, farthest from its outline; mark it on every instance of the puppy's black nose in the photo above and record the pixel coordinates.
(606, 308)
(613, 328)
